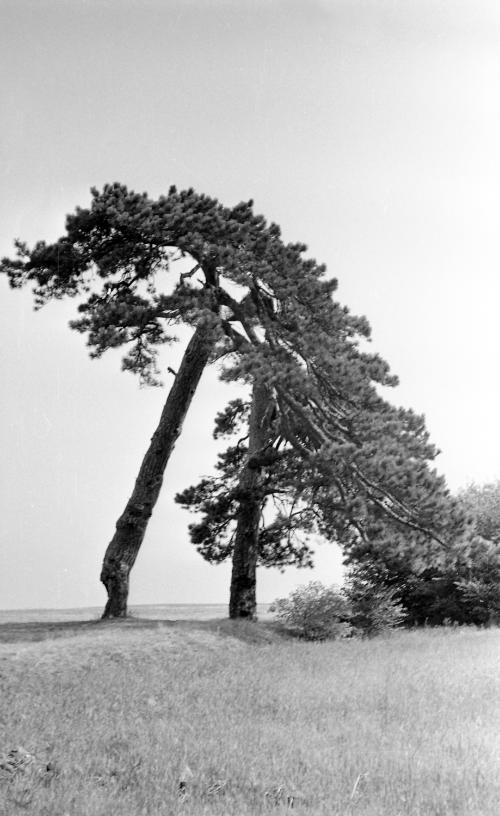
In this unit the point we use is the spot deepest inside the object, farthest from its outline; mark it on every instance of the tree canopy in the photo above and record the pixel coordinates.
(322, 440)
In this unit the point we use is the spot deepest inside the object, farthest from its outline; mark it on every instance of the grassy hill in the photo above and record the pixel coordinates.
(154, 719)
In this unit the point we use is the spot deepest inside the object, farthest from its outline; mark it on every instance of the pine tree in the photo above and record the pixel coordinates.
(114, 257)
(298, 349)
(373, 472)
(326, 407)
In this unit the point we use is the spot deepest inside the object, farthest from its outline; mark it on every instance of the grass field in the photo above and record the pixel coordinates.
(147, 717)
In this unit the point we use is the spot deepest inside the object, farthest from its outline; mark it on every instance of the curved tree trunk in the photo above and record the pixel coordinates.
(243, 598)
(131, 526)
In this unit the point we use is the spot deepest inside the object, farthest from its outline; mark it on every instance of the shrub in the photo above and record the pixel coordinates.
(481, 598)
(375, 607)
(364, 606)
(315, 612)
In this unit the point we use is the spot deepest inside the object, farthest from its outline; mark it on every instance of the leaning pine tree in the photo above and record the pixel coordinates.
(114, 257)
(328, 451)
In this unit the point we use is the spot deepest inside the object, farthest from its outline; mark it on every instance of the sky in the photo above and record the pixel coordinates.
(368, 129)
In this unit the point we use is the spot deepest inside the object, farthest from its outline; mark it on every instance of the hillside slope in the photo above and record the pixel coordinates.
(140, 717)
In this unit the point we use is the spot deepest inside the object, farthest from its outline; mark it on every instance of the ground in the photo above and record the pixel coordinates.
(158, 718)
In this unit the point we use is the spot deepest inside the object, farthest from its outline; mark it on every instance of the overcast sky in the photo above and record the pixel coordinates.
(369, 129)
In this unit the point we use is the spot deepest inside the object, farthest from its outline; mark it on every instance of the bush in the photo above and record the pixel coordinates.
(375, 607)
(363, 607)
(315, 612)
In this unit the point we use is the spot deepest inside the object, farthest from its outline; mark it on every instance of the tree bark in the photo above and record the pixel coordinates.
(243, 598)
(131, 527)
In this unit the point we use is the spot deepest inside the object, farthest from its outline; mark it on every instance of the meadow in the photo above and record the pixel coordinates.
(158, 718)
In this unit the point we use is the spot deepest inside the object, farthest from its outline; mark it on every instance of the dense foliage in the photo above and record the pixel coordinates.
(461, 586)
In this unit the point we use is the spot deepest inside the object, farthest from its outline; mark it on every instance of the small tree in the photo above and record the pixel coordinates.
(315, 612)
(375, 607)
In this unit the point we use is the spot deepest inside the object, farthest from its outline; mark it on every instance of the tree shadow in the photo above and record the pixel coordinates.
(258, 632)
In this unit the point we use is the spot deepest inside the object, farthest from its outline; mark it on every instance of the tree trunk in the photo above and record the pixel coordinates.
(243, 598)
(131, 526)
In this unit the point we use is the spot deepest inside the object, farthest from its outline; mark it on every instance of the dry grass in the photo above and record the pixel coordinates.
(403, 726)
